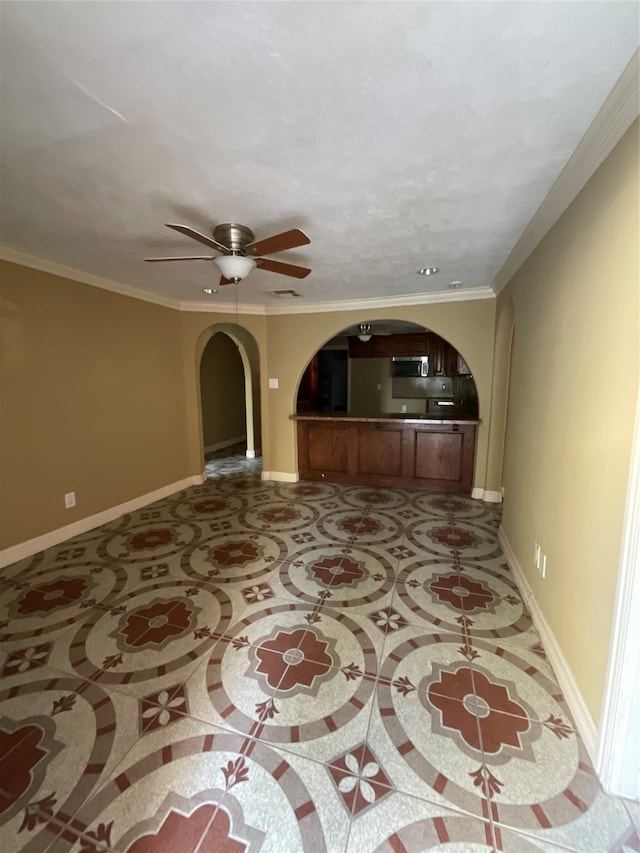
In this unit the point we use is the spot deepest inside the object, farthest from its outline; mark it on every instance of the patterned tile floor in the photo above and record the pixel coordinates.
(254, 666)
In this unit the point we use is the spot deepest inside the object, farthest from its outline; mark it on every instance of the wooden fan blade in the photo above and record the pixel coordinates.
(271, 245)
(224, 280)
(201, 238)
(189, 258)
(283, 269)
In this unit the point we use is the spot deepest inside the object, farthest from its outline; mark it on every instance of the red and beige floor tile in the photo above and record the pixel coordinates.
(287, 667)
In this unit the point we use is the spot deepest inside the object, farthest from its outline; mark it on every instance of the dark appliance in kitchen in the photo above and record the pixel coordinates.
(415, 365)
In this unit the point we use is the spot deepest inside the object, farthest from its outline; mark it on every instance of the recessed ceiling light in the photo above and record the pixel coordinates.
(209, 290)
(453, 285)
(428, 270)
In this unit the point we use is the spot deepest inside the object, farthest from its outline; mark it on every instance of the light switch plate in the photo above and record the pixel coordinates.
(273, 383)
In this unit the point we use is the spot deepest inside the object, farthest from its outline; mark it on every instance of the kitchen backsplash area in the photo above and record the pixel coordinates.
(373, 390)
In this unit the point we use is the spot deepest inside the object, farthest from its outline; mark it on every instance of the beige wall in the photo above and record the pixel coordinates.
(574, 381)
(371, 389)
(222, 391)
(91, 401)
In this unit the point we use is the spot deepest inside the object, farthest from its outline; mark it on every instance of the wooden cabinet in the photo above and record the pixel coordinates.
(419, 455)
(444, 360)
(388, 346)
(462, 368)
(383, 346)
(437, 347)
(359, 349)
(398, 345)
(419, 344)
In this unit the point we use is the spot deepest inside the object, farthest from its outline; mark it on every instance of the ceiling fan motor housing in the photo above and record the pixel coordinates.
(234, 236)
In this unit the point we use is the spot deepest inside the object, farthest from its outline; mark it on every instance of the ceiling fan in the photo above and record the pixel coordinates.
(238, 251)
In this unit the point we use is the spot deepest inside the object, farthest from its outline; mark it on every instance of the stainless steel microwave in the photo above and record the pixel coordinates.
(415, 365)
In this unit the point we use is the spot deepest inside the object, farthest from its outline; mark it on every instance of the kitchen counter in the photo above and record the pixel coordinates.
(392, 449)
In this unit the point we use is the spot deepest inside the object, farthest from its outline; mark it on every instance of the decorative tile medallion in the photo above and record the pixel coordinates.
(26, 748)
(299, 659)
(359, 778)
(25, 659)
(156, 624)
(48, 597)
(461, 593)
(157, 710)
(336, 571)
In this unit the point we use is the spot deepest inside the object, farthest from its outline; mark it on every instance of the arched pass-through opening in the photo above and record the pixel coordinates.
(228, 389)
(388, 404)
(396, 368)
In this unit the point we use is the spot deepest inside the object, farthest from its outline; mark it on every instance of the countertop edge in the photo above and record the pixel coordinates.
(420, 419)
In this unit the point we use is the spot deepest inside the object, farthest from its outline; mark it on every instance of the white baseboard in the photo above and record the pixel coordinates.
(280, 476)
(578, 707)
(228, 442)
(83, 525)
(480, 494)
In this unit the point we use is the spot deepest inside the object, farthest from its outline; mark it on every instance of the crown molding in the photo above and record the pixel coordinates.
(383, 302)
(223, 308)
(16, 256)
(612, 121)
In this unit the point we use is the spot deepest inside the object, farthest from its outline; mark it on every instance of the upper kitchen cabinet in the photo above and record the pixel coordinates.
(383, 346)
(358, 348)
(462, 368)
(388, 346)
(444, 360)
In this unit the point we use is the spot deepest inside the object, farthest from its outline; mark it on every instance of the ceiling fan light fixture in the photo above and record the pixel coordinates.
(364, 333)
(235, 267)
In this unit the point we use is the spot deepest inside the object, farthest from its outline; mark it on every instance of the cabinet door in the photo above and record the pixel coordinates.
(450, 360)
(437, 356)
(400, 345)
(358, 349)
(380, 347)
(419, 344)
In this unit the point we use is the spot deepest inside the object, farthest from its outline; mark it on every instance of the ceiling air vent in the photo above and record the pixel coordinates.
(291, 293)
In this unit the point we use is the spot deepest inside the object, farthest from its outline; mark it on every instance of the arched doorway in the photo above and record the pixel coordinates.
(228, 384)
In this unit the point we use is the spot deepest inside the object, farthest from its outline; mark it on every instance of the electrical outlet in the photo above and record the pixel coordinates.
(536, 555)
(69, 500)
(403, 408)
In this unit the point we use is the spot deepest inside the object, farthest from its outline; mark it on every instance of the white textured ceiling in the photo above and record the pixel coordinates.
(397, 135)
